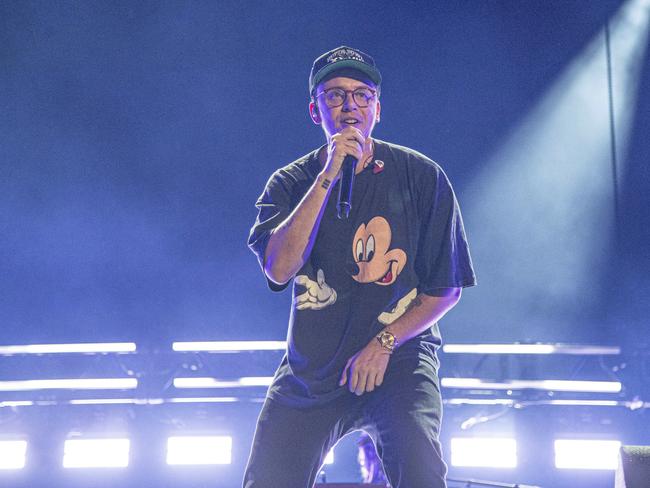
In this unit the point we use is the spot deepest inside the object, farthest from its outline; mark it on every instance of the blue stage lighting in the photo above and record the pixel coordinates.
(545, 385)
(488, 452)
(216, 383)
(96, 453)
(13, 454)
(70, 384)
(586, 454)
(86, 348)
(196, 450)
(543, 207)
(571, 349)
(229, 346)
(329, 459)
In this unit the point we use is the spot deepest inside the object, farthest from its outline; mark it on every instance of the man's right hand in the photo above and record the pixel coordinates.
(291, 241)
(349, 141)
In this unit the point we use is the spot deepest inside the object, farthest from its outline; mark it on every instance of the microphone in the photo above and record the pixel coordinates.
(344, 204)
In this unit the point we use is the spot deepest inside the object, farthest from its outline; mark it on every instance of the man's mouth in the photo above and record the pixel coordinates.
(350, 121)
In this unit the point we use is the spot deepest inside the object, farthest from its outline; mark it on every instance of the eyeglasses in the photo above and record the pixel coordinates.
(335, 97)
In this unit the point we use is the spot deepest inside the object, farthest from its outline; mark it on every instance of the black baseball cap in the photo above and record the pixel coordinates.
(344, 61)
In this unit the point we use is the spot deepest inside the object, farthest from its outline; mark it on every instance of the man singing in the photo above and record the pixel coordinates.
(368, 291)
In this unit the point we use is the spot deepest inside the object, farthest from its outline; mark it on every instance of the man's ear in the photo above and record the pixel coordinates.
(314, 113)
(378, 113)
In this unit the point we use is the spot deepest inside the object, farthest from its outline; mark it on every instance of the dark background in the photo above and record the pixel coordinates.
(135, 138)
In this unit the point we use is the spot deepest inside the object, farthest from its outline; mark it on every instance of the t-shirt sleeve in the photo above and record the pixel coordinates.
(443, 259)
(273, 207)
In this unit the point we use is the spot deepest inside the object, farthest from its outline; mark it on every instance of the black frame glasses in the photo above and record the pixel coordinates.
(360, 96)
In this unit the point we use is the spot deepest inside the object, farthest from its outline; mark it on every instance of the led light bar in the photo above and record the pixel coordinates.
(588, 403)
(586, 454)
(531, 349)
(150, 401)
(16, 403)
(229, 346)
(88, 348)
(479, 401)
(12, 454)
(70, 384)
(215, 383)
(129, 401)
(199, 450)
(105, 401)
(205, 400)
(484, 452)
(547, 385)
(96, 453)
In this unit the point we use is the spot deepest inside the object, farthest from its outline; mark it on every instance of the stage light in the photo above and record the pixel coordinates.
(195, 450)
(542, 209)
(546, 385)
(498, 348)
(12, 454)
(586, 454)
(126, 401)
(96, 453)
(108, 401)
(70, 384)
(87, 348)
(480, 401)
(204, 400)
(589, 403)
(16, 403)
(571, 349)
(229, 346)
(487, 452)
(509, 402)
(216, 383)
(150, 401)
(329, 459)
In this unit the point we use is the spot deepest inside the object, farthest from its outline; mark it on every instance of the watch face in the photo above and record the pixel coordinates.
(387, 339)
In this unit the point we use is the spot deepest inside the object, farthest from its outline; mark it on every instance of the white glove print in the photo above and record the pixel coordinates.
(318, 295)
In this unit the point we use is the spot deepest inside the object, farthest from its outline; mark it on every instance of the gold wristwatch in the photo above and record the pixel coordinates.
(387, 340)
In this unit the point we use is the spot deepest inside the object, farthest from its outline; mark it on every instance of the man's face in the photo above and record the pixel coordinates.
(335, 119)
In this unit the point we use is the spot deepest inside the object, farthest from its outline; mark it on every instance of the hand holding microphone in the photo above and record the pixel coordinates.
(344, 151)
(344, 203)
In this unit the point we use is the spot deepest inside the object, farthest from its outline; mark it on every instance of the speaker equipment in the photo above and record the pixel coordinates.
(633, 467)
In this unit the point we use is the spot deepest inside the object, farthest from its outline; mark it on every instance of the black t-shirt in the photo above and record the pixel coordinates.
(404, 236)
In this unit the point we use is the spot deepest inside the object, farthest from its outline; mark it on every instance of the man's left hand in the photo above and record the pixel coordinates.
(366, 368)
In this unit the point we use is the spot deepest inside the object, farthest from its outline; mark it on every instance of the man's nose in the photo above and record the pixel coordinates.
(348, 102)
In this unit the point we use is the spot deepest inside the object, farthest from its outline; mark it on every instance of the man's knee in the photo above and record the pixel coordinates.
(411, 452)
(287, 448)
(419, 465)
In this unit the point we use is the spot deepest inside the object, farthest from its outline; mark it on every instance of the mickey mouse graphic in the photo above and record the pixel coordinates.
(376, 265)
(370, 249)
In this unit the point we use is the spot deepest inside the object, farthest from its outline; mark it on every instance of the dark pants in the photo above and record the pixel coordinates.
(402, 416)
